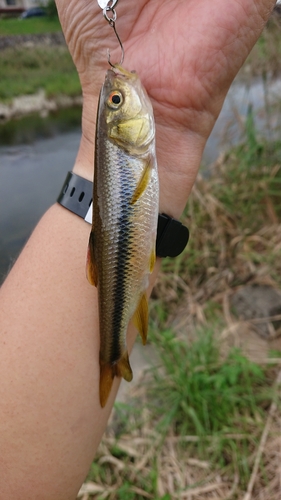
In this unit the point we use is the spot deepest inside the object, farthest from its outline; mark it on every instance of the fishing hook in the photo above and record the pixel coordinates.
(112, 20)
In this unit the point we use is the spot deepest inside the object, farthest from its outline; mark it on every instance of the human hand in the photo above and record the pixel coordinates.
(186, 53)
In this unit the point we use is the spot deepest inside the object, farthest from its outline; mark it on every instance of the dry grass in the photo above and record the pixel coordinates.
(155, 451)
(235, 237)
(265, 56)
(234, 221)
(128, 461)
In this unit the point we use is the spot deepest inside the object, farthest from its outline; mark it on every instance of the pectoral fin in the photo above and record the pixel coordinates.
(152, 260)
(91, 268)
(140, 318)
(107, 373)
(142, 184)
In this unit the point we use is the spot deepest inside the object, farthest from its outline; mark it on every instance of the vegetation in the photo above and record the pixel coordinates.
(203, 424)
(30, 26)
(25, 71)
(51, 9)
(265, 56)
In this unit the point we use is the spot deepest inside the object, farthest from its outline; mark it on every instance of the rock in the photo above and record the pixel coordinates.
(36, 103)
(259, 301)
(4, 112)
(31, 104)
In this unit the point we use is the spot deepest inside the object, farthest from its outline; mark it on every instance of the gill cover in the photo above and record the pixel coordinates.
(128, 112)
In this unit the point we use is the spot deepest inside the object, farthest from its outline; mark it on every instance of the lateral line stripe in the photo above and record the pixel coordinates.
(121, 270)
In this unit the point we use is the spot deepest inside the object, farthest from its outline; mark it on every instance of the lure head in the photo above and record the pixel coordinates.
(127, 111)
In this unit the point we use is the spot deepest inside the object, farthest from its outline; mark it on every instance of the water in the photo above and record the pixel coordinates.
(32, 171)
(36, 153)
(264, 97)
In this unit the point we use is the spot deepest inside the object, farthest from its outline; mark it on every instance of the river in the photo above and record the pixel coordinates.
(33, 166)
(36, 153)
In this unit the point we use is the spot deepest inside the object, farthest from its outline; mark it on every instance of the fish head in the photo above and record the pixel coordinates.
(127, 111)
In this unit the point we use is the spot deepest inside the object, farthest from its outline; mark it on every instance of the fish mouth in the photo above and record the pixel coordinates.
(119, 72)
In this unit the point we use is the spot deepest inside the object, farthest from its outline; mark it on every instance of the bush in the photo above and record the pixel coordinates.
(51, 9)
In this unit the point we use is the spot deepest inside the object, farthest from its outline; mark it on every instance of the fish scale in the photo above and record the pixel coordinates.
(125, 213)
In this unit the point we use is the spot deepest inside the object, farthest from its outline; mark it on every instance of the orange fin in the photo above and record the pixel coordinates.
(91, 269)
(142, 184)
(152, 260)
(107, 373)
(123, 367)
(106, 381)
(140, 318)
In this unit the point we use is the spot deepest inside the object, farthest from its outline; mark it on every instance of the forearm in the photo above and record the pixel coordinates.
(51, 421)
(48, 362)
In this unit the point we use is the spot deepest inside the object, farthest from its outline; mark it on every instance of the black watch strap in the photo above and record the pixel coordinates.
(77, 195)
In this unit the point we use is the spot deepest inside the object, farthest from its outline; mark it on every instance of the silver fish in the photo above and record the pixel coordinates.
(121, 252)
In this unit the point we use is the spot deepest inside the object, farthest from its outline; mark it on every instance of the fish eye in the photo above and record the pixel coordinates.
(115, 99)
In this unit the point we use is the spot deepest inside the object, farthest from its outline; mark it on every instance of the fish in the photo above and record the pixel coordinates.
(121, 252)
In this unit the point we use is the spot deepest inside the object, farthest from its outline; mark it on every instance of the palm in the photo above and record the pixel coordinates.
(186, 53)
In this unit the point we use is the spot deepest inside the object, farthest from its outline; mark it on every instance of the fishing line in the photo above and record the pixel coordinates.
(109, 13)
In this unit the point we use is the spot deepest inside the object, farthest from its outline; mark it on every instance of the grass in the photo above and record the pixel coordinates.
(31, 26)
(265, 56)
(202, 391)
(205, 422)
(25, 71)
(195, 429)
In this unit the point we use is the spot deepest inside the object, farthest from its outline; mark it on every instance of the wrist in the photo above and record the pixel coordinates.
(84, 163)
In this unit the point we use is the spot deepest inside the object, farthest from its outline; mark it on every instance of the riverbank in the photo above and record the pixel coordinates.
(36, 65)
(203, 422)
(37, 103)
(34, 76)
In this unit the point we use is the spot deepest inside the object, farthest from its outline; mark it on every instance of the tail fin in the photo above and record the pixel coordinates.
(121, 368)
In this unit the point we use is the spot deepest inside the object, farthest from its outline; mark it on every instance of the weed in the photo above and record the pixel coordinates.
(33, 26)
(203, 395)
(25, 71)
(201, 415)
(265, 56)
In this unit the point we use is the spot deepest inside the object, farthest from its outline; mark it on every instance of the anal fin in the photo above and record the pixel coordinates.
(140, 318)
(123, 367)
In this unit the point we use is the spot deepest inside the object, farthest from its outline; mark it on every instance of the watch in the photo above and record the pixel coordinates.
(77, 196)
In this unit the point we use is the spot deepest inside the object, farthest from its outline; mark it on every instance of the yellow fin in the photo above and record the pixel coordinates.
(123, 367)
(106, 381)
(140, 318)
(142, 185)
(107, 373)
(91, 269)
(152, 260)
